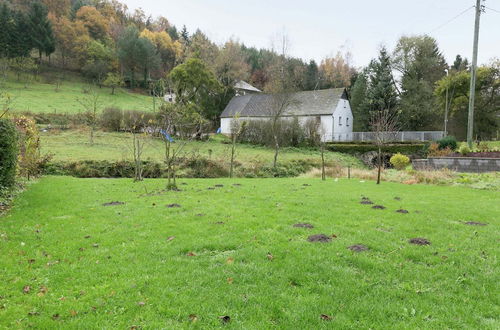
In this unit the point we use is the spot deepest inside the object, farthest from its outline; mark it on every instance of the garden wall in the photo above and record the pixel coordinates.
(459, 164)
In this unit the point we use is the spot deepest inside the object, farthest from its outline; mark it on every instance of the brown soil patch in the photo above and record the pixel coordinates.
(420, 241)
(397, 198)
(378, 207)
(219, 223)
(366, 201)
(219, 185)
(200, 214)
(303, 225)
(173, 205)
(210, 188)
(113, 203)
(237, 184)
(474, 223)
(358, 248)
(306, 185)
(319, 238)
(402, 211)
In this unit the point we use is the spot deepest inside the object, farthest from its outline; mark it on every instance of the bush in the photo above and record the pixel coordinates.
(399, 161)
(448, 142)
(134, 120)
(111, 119)
(30, 161)
(8, 153)
(361, 148)
(435, 151)
(464, 149)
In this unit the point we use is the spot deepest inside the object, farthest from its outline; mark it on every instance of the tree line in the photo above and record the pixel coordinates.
(113, 46)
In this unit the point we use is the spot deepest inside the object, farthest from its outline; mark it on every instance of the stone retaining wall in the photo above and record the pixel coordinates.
(459, 164)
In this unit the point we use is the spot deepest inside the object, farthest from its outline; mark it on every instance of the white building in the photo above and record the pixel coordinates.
(244, 88)
(329, 107)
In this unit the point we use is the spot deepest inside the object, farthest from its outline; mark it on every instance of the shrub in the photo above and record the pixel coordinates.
(8, 153)
(483, 147)
(30, 161)
(400, 161)
(464, 149)
(448, 142)
(361, 148)
(111, 119)
(435, 151)
(134, 120)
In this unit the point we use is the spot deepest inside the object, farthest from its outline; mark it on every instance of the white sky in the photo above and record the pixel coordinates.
(318, 28)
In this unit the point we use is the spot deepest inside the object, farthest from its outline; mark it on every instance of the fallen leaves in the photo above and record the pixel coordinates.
(230, 260)
(170, 238)
(270, 256)
(230, 280)
(73, 312)
(43, 290)
(141, 303)
(325, 317)
(225, 318)
(26, 289)
(191, 254)
(193, 317)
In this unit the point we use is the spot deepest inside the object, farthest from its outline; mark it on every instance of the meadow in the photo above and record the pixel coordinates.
(73, 145)
(44, 96)
(110, 253)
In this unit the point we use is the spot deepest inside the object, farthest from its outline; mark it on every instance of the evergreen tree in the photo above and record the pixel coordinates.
(41, 29)
(185, 35)
(22, 36)
(381, 92)
(311, 76)
(7, 27)
(359, 104)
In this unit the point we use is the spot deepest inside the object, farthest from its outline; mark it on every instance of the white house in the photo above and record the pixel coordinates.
(244, 88)
(329, 107)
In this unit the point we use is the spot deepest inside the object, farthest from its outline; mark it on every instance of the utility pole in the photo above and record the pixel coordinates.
(446, 108)
(473, 69)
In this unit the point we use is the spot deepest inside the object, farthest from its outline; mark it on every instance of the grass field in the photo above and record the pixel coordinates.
(68, 261)
(74, 145)
(43, 97)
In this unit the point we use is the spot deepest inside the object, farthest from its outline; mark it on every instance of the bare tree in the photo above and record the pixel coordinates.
(237, 128)
(183, 123)
(91, 103)
(282, 88)
(139, 130)
(384, 124)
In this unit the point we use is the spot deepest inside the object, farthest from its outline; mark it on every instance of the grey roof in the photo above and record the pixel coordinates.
(246, 86)
(307, 103)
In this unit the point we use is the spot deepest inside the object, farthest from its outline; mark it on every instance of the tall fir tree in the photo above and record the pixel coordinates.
(381, 92)
(7, 27)
(41, 29)
(359, 104)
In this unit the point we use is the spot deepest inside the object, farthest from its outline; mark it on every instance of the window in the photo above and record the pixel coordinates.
(347, 121)
(340, 120)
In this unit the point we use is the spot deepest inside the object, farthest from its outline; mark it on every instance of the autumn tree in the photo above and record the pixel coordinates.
(91, 103)
(71, 39)
(113, 81)
(95, 23)
(170, 51)
(384, 125)
(336, 71)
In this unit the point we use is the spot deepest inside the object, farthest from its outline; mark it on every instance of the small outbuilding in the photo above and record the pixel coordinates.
(330, 108)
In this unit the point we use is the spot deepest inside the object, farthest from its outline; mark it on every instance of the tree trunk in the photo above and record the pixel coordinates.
(379, 161)
(323, 173)
(276, 150)
(232, 158)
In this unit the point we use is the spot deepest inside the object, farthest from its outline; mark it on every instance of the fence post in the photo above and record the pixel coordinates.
(362, 136)
(402, 136)
(422, 136)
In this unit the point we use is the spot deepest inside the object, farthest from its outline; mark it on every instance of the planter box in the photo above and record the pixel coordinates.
(459, 164)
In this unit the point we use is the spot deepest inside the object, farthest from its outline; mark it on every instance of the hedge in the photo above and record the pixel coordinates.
(8, 153)
(361, 148)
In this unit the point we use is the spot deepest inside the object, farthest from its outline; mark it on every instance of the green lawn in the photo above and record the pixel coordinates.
(70, 262)
(74, 145)
(43, 97)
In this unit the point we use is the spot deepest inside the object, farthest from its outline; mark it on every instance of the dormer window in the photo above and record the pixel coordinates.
(340, 120)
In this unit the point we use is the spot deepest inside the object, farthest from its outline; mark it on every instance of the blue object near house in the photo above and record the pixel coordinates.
(167, 136)
(219, 130)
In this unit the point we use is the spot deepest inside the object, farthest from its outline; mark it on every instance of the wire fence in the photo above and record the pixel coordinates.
(402, 136)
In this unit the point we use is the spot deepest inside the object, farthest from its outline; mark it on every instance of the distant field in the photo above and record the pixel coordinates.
(70, 261)
(74, 145)
(43, 97)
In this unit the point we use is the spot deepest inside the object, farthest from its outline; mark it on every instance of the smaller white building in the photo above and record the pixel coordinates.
(244, 88)
(329, 107)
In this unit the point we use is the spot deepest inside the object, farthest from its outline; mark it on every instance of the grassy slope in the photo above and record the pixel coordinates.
(42, 97)
(74, 145)
(449, 284)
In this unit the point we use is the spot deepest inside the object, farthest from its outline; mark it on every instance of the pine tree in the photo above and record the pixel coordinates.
(311, 76)
(41, 29)
(185, 35)
(359, 104)
(7, 27)
(381, 92)
(24, 42)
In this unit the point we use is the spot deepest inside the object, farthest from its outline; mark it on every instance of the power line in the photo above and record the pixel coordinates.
(451, 20)
(498, 11)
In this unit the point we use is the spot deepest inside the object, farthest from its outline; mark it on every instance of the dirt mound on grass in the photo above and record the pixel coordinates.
(474, 223)
(419, 241)
(358, 248)
(173, 205)
(366, 201)
(402, 211)
(322, 238)
(378, 207)
(113, 203)
(303, 225)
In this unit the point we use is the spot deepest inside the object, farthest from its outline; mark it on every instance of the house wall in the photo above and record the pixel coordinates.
(342, 122)
(326, 123)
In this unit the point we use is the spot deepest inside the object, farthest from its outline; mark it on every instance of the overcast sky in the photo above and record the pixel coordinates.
(319, 28)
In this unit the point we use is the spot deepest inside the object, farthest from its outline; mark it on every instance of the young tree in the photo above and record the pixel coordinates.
(384, 124)
(180, 121)
(237, 128)
(113, 81)
(91, 103)
(139, 136)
